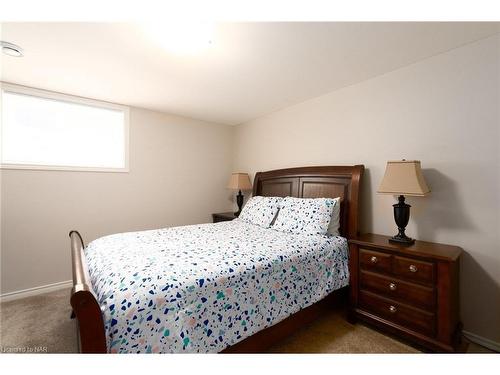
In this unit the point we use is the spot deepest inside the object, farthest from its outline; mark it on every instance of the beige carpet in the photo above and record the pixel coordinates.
(42, 324)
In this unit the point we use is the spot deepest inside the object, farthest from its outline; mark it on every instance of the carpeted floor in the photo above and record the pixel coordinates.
(38, 322)
(42, 324)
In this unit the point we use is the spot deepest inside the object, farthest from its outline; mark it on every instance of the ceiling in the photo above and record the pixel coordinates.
(249, 69)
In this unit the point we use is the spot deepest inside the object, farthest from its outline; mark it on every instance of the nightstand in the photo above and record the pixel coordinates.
(223, 216)
(408, 291)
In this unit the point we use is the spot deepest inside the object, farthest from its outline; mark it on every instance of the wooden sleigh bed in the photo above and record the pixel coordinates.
(305, 182)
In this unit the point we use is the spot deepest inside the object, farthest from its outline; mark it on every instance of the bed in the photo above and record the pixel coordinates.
(224, 287)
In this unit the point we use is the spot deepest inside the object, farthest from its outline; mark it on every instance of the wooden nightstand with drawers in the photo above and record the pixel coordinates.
(409, 291)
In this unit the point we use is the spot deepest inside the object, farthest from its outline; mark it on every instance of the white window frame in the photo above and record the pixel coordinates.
(24, 90)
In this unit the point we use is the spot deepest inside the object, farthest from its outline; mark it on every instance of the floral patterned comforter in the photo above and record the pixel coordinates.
(202, 288)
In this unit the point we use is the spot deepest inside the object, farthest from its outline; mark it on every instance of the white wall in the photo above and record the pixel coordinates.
(178, 171)
(443, 111)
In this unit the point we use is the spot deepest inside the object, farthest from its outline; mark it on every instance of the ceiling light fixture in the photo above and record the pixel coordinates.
(181, 38)
(11, 49)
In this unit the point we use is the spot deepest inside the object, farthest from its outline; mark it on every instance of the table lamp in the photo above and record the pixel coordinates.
(403, 177)
(239, 181)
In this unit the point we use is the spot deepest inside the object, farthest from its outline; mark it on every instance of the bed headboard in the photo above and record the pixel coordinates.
(317, 182)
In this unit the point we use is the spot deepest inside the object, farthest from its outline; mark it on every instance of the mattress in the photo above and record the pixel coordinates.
(202, 288)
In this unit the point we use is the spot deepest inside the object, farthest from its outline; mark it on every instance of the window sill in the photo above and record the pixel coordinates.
(63, 168)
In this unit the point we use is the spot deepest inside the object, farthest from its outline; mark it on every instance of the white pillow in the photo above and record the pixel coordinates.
(261, 210)
(305, 215)
(334, 226)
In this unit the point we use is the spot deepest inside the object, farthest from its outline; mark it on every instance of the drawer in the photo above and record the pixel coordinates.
(413, 294)
(412, 269)
(415, 319)
(375, 260)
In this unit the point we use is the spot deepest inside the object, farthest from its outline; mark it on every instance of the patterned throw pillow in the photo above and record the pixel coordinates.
(261, 210)
(305, 215)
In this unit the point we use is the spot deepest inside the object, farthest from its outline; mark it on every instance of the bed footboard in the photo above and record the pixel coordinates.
(91, 333)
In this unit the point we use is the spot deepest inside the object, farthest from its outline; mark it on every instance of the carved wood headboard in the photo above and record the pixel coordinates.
(317, 182)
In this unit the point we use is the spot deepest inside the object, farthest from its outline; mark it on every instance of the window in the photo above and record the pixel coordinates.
(45, 130)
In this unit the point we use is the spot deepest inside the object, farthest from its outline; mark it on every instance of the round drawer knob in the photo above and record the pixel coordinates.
(393, 309)
(413, 268)
(392, 286)
(374, 259)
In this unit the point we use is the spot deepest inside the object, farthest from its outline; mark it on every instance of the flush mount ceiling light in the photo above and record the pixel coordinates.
(11, 49)
(181, 38)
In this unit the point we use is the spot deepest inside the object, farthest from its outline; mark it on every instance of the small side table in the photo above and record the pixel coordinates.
(223, 216)
(410, 291)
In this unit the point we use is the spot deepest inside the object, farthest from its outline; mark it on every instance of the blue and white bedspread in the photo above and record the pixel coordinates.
(202, 288)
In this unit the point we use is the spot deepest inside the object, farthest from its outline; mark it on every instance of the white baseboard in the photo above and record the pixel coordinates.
(483, 341)
(35, 291)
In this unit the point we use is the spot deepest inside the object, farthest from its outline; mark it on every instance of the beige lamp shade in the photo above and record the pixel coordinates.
(239, 181)
(404, 177)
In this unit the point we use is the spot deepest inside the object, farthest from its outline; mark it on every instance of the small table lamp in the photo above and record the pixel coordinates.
(402, 178)
(239, 181)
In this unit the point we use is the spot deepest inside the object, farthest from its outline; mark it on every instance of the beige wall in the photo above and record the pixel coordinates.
(443, 111)
(178, 171)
